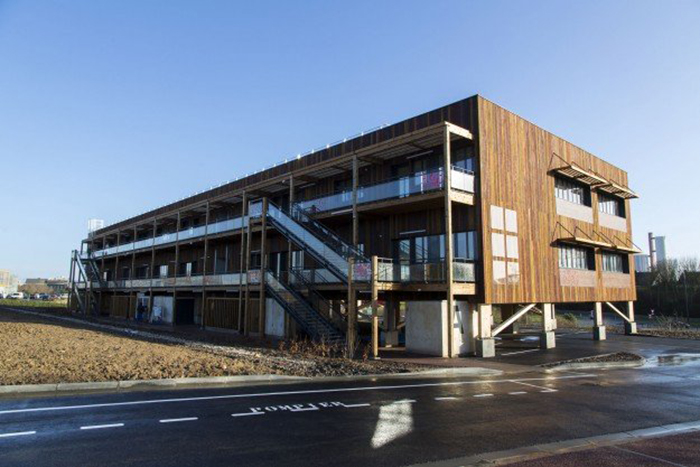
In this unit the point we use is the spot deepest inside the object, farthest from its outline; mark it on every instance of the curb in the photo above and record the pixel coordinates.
(561, 447)
(144, 383)
(217, 381)
(596, 365)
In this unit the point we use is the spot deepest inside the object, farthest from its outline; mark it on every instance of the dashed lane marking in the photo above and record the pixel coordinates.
(446, 398)
(354, 406)
(517, 393)
(289, 393)
(542, 388)
(519, 352)
(176, 420)
(18, 433)
(247, 414)
(483, 395)
(100, 427)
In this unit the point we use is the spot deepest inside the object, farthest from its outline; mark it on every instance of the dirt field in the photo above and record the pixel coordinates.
(43, 350)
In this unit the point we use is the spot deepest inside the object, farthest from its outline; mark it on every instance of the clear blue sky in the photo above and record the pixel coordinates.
(110, 108)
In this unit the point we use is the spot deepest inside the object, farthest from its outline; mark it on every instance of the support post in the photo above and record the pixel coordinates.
(598, 326)
(375, 308)
(351, 310)
(631, 324)
(263, 269)
(151, 270)
(355, 220)
(547, 337)
(452, 351)
(249, 238)
(485, 344)
(204, 267)
(178, 226)
(290, 252)
(243, 263)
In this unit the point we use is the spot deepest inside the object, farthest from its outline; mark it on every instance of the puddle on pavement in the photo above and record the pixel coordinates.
(674, 359)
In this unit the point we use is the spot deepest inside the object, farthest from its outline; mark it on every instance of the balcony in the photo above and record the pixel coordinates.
(397, 188)
(213, 280)
(390, 271)
(214, 228)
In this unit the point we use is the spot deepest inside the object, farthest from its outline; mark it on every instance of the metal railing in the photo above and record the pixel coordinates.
(393, 188)
(213, 228)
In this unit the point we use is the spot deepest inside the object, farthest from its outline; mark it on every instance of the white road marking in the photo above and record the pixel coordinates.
(288, 393)
(246, 414)
(446, 398)
(405, 401)
(18, 433)
(175, 420)
(353, 406)
(519, 352)
(99, 427)
(517, 393)
(483, 395)
(543, 388)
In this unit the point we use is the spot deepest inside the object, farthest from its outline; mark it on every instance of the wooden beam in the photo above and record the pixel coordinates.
(263, 268)
(449, 254)
(243, 264)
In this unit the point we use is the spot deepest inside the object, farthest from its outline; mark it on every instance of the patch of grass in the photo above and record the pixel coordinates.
(34, 303)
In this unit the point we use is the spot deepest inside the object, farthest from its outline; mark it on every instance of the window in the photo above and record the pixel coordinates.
(573, 257)
(572, 192)
(187, 269)
(465, 245)
(126, 273)
(142, 272)
(614, 262)
(611, 205)
(163, 270)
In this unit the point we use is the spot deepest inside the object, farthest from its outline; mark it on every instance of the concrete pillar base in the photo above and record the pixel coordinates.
(547, 340)
(630, 328)
(599, 333)
(486, 348)
(391, 338)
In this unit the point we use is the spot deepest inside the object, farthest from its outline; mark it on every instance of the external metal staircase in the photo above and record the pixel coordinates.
(293, 291)
(88, 278)
(302, 310)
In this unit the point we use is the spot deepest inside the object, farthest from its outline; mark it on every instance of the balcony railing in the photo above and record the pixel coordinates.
(400, 187)
(226, 279)
(389, 270)
(214, 228)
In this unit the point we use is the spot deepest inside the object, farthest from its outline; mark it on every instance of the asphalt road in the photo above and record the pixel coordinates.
(387, 422)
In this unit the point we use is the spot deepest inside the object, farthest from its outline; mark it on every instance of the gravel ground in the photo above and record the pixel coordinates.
(40, 348)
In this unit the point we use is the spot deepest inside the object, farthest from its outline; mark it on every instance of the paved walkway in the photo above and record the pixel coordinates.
(679, 450)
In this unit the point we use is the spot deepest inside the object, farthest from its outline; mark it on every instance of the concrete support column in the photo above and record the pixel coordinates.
(485, 344)
(598, 326)
(631, 326)
(391, 312)
(547, 338)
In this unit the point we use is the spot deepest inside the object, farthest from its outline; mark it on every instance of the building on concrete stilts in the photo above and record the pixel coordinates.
(438, 233)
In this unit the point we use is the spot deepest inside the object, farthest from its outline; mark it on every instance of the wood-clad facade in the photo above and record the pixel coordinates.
(455, 205)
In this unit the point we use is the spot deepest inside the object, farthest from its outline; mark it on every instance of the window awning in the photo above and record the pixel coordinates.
(618, 190)
(627, 249)
(575, 172)
(585, 241)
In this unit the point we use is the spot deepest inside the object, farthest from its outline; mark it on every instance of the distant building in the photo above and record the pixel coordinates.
(641, 263)
(95, 224)
(58, 285)
(660, 244)
(8, 282)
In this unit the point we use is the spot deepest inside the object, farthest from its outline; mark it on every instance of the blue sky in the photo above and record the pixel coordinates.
(108, 109)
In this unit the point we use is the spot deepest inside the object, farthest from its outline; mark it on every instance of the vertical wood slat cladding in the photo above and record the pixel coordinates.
(515, 160)
(221, 313)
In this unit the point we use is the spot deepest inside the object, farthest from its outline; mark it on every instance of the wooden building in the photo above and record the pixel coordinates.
(392, 235)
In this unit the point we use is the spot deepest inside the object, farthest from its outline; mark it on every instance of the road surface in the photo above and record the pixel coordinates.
(384, 422)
